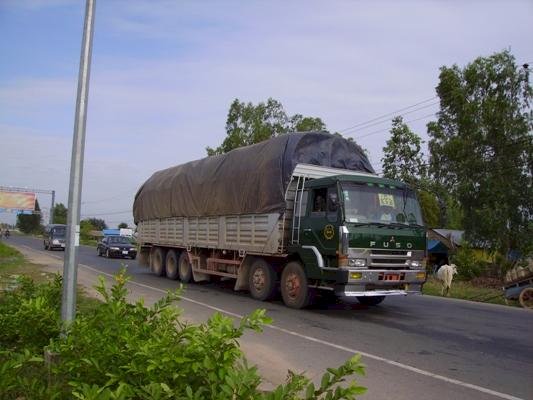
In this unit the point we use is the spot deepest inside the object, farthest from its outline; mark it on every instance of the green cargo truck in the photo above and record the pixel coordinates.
(298, 213)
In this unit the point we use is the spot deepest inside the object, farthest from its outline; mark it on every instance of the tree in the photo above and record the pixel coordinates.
(30, 223)
(299, 123)
(97, 223)
(86, 229)
(481, 150)
(60, 214)
(248, 124)
(122, 225)
(430, 208)
(402, 158)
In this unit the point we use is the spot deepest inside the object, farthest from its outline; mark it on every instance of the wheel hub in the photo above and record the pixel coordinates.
(259, 279)
(293, 285)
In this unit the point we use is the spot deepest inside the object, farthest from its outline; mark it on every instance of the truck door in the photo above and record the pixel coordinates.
(319, 224)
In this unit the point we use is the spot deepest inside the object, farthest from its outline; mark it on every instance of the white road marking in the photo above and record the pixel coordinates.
(324, 342)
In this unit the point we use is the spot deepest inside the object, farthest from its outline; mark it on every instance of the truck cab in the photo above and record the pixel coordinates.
(360, 236)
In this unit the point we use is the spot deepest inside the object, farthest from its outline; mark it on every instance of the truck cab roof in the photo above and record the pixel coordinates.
(367, 178)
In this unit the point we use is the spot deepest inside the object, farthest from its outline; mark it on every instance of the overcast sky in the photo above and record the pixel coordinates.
(165, 72)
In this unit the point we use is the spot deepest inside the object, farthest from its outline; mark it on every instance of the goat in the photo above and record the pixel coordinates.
(445, 276)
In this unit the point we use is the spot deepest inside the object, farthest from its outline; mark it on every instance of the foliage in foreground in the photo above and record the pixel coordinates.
(129, 351)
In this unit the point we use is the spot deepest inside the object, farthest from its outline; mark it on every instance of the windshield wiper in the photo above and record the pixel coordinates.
(398, 224)
(380, 224)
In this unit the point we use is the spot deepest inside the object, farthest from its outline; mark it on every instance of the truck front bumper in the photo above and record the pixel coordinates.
(353, 292)
(361, 282)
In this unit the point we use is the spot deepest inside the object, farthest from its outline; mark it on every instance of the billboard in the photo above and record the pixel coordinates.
(24, 201)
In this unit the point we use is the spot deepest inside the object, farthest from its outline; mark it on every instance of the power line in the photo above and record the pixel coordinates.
(365, 124)
(388, 115)
(109, 213)
(108, 198)
(388, 129)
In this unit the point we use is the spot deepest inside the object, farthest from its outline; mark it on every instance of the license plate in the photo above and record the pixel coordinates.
(124, 251)
(391, 277)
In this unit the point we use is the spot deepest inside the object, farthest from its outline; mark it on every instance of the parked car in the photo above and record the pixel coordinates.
(116, 246)
(55, 236)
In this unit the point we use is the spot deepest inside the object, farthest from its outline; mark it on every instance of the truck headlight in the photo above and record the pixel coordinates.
(357, 262)
(416, 264)
(114, 248)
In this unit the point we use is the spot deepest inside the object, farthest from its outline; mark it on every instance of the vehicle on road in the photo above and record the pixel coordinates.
(116, 246)
(298, 213)
(519, 286)
(55, 237)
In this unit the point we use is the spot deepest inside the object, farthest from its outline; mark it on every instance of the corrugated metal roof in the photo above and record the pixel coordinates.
(454, 235)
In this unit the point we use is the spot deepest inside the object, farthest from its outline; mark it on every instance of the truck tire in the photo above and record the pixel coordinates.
(294, 287)
(157, 261)
(184, 268)
(261, 280)
(370, 300)
(45, 246)
(172, 265)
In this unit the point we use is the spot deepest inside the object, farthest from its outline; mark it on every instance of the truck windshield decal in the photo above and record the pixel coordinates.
(386, 200)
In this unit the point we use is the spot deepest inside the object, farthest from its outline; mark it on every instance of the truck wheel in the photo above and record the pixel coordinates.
(172, 265)
(98, 252)
(157, 261)
(107, 254)
(294, 288)
(261, 280)
(184, 268)
(45, 246)
(370, 300)
(526, 297)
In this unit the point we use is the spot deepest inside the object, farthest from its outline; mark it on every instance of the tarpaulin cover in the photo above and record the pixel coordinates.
(247, 180)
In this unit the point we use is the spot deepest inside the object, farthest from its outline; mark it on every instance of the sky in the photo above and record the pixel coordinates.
(164, 73)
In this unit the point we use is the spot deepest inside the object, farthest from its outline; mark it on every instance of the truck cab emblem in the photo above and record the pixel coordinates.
(329, 232)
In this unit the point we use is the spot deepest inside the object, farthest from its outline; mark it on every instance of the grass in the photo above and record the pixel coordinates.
(13, 264)
(467, 291)
(89, 242)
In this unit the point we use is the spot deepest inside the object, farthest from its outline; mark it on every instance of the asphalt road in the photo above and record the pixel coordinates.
(419, 347)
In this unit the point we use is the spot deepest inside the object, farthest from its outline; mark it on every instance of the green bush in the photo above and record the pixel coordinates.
(30, 315)
(129, 351)
(468, 266)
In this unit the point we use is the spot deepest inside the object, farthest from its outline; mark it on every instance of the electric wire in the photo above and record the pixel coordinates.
(387, 115)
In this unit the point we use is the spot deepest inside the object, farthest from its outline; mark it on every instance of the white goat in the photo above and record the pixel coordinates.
(445, 276)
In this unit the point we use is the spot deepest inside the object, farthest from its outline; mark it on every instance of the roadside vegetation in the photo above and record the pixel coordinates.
(479, 277)
(476, 290)
(118, 350)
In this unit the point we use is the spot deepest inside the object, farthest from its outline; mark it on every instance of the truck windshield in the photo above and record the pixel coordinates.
(59, 231)
(383, 204)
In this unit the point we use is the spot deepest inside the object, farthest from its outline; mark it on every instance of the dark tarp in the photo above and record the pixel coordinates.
(247, 180)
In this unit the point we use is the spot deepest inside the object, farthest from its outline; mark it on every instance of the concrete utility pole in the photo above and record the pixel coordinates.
(52, 207)
(70, 267)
